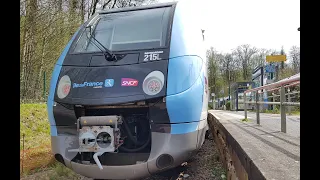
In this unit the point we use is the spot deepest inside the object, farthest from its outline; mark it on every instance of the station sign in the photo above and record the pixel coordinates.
(276, 58)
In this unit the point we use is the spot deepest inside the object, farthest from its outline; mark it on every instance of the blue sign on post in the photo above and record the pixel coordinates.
(270, 68)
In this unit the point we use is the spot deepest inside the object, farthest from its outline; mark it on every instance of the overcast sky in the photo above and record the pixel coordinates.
(266, 24)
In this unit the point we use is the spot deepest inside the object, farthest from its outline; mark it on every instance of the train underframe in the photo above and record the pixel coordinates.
(121, 142)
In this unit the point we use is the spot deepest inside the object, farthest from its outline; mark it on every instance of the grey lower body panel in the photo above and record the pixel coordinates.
(179, 146)
(111, 172)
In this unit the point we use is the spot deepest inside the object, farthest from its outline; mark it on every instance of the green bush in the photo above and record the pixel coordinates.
(275, 111)
(228, 105)
(296, 108)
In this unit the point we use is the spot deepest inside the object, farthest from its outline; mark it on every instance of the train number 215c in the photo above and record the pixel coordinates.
(152, 56)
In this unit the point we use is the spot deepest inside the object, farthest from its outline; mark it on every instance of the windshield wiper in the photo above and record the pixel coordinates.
(108, 55)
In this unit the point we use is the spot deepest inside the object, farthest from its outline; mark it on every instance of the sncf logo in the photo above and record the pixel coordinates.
(129, 82)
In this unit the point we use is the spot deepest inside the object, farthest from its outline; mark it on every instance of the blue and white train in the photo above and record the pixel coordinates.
(129, 93)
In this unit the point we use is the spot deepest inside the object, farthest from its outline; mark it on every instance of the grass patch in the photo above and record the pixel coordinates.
(277, 111)
(35, 127)
(295, 113)
(35, 159)
(62, 172)
(55, 171)
(34, 124)
(245, 120)
(219, 172)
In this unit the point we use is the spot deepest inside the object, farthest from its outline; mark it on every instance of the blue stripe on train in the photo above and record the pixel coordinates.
(53, 83)
(184, 128)
(184, 84)
(185, 106)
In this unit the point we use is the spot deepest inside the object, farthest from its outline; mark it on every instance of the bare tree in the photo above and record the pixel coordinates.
(295, 58)
(259, 59)
(73, 4)
(244, 54)
(82, 10)
(105, 4)
(28, 46)
(282, 53)
(94, 6)
(109, 4)
(213, 69)
(228, 67)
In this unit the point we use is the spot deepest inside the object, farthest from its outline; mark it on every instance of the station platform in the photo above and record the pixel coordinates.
(262, 150)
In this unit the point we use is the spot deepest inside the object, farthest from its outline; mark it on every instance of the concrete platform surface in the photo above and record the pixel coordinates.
(275, 154)
(273, 121)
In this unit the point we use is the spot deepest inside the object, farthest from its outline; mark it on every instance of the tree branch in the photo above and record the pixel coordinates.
(114, 3)
(94, 6)
(105, 4)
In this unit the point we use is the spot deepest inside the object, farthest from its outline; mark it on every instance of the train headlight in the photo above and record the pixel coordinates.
(64, 87)
(153, 83)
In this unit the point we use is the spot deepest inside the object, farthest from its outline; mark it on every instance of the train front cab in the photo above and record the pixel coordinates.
(176, 133)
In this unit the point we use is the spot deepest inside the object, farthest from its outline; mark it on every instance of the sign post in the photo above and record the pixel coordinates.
(270, 70)
(213, 101)
(258, 78)
(276, 59)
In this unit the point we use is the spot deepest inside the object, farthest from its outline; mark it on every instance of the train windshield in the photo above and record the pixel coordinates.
(131, 30)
